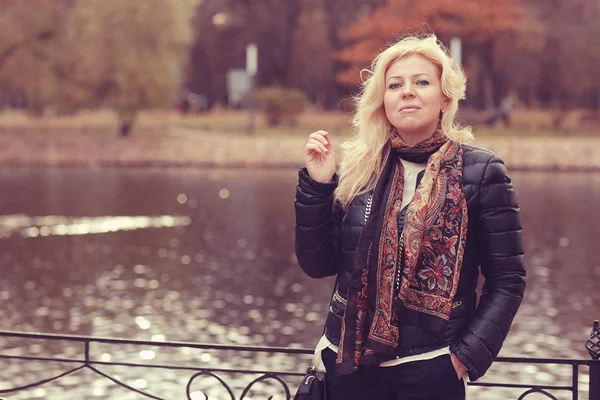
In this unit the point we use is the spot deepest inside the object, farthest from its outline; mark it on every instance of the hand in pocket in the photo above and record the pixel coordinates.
(461, 370)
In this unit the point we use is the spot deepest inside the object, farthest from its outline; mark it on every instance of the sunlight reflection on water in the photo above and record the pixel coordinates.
(50, 225)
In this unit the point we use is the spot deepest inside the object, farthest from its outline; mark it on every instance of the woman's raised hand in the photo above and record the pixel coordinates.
(319, 157)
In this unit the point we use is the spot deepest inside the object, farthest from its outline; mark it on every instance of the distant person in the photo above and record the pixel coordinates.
(406, 225)
(503, 112)
(184, 102)
(202, 103)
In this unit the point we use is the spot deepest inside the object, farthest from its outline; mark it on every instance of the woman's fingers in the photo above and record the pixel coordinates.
(321, 136)
(310, 147)
(319, 157)
(313, 151)
(318, 147)
(315, 145)
(321, 145)
(459, 367)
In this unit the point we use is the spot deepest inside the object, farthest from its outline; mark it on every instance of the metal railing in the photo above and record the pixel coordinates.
(87, 360)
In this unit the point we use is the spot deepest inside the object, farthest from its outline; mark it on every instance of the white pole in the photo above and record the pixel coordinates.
(456, 50)
(251, 59)
(251, 69)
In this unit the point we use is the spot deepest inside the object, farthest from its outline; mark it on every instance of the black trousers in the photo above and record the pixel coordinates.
(433, 379)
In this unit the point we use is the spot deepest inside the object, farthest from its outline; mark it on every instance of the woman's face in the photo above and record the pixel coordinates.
(413, 97)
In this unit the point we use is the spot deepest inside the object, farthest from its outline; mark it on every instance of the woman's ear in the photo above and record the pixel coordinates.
(445, 104)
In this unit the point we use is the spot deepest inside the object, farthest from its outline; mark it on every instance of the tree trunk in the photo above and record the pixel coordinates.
(291, 21)
(493, 77)
(336, 90)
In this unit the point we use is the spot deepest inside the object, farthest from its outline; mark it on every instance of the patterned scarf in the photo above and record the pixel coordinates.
(416, 271)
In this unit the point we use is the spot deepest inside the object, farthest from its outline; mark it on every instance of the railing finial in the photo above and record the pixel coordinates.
(593, 343)
(593, 347)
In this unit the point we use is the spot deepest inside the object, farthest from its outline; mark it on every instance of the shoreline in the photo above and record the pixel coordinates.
(173, 147)
(255, 166)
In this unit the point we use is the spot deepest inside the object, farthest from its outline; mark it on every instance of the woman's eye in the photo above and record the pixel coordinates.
(422, 82)
(394, 85)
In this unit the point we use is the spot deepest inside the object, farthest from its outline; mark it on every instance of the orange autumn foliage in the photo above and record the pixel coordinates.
(474, 21)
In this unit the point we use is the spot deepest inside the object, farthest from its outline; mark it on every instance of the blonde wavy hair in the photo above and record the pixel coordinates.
(362, 159)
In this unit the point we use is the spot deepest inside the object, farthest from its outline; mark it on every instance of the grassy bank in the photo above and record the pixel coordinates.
(221, 139)
(524, 123)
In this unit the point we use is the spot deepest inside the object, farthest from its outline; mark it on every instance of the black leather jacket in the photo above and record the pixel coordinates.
(327, 238)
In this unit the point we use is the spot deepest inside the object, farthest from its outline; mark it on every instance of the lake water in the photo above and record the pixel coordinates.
(207, 256)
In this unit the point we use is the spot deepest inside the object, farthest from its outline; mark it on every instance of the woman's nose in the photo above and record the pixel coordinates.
(408, 92)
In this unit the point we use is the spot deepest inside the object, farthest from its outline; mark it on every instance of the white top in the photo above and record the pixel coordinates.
(411, 170)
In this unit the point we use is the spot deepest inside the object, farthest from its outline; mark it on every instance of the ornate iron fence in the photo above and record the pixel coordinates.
(87, 360)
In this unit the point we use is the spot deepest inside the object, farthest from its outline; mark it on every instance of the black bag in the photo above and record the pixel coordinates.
(312, 386)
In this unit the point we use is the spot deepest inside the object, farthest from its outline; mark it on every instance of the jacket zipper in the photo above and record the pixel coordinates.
(368, 208)
(367, 213)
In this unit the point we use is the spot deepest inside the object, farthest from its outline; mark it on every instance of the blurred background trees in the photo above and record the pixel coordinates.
(64, 55)
(68, 55)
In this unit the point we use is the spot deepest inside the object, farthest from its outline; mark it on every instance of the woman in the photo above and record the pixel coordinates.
(413, 216)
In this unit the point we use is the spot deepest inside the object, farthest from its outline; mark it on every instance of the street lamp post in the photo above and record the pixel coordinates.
(251, 68)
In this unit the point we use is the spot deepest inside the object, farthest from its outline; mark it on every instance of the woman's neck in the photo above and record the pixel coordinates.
(412, 139)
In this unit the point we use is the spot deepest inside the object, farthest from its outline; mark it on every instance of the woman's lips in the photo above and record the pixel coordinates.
(409, 109)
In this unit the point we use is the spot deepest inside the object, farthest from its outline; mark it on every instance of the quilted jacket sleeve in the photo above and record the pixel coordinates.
(317, 226)
(502, 264)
